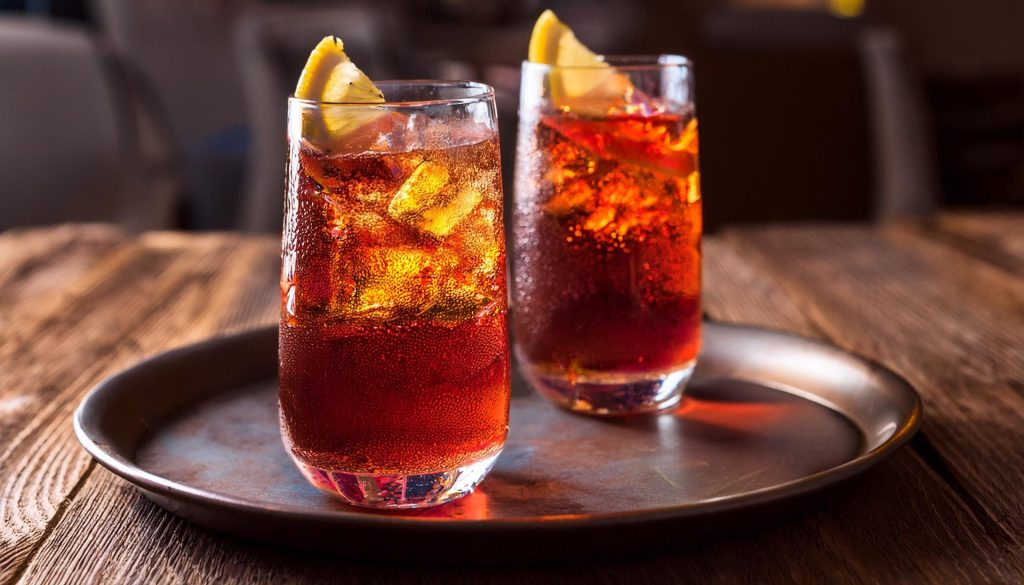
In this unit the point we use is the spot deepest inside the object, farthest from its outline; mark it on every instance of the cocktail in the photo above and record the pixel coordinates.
(607, 226)
(394, 369)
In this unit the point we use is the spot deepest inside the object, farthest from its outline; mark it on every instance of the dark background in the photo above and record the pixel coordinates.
(810, 109)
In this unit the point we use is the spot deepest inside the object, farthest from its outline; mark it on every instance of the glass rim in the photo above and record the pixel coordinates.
(483, 92)
(649, 62)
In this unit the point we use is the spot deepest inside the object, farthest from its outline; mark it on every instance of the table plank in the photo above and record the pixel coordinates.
(37, 261)
(902, 522)
(996, 238)
(140, 543)
(954, 327)
(153, 292)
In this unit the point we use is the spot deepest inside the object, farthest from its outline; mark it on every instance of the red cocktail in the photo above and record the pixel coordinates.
(606, 292)
(394, 360)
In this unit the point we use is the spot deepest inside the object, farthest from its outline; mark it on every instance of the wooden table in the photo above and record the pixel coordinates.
(941, 303)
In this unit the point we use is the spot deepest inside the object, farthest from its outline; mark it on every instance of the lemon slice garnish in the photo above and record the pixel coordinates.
(591, 83)
(330, 76)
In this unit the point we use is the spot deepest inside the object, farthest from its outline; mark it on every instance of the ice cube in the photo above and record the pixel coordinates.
(457, 132)
(359, 130)
(600, 218)
(662, 144)
(689, 141)
(458, 303)
(467, 267)
(642, 218)
(427, 201)
(441, 220)
(574, 196)
(357, 176)
(391, 281)
(484, 243)
(411, 136)
(366, 228)
(420, 191)
(693, 187)
(477, 244)
(400, 282)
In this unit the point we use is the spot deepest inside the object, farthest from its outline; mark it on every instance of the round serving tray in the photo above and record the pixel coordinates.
(768, 421)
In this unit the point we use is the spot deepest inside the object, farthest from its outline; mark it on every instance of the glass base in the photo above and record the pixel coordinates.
(396, 492)
(614, 394)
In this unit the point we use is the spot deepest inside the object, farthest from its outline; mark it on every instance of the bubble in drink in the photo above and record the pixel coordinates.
(393, 281)
(426, 201)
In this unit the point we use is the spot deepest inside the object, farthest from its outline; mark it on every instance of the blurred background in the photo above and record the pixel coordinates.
(170, 114)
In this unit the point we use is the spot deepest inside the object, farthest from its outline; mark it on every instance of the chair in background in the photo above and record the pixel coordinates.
(184, 49)
(906, 177)
(805, 116)
(971, 57)
(272, 45)
(80, 141)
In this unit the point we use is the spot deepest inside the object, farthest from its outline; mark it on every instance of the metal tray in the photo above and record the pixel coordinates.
(769, 421)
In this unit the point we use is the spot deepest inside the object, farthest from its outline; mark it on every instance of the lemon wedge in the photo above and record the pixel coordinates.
(330, 76)
(591, 84)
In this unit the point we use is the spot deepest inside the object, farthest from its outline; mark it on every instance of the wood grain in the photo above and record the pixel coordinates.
(996, 238)
(39, 261)
(141, 543)
(149, 294)
(79, 302)
(952, 326)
